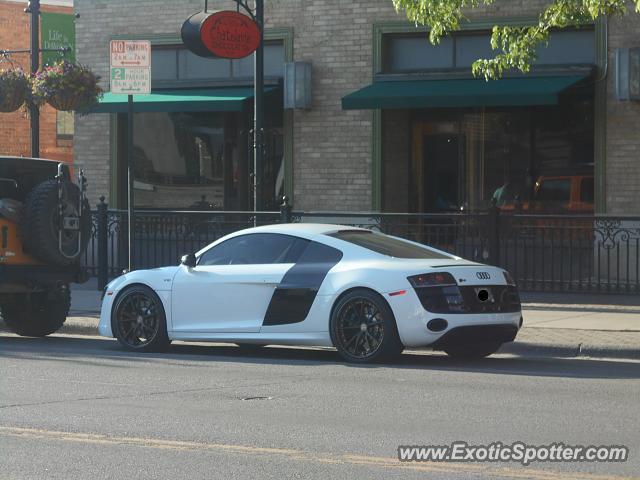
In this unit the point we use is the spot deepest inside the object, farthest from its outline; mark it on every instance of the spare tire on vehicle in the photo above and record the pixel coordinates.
(41, 223)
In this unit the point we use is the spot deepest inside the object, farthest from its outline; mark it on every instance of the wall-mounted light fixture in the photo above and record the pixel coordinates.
(627, 78)
(297, 85)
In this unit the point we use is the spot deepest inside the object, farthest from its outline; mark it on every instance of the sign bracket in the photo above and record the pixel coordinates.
(252, 12)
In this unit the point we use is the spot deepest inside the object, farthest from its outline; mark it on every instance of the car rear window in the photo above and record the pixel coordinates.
(386, 245)
(555, 190)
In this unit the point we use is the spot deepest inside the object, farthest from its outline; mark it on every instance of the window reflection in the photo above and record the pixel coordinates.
(537, 158)
(178, 149)
(201, 160)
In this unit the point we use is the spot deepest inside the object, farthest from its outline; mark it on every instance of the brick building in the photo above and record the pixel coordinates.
(56, 128)
(395, 123)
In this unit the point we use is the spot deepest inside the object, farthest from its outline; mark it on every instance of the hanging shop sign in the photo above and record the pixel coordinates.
(225, 34)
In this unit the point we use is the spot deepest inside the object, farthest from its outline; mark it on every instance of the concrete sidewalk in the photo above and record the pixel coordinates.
(565, 325)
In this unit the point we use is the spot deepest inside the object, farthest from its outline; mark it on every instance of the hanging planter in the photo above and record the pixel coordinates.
(66, 86)
(14, 88)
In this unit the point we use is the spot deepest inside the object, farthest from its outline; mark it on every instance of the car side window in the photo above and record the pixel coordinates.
(255, 249)
(555, 190)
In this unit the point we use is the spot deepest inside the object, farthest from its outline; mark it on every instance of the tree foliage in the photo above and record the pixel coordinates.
(515, 46)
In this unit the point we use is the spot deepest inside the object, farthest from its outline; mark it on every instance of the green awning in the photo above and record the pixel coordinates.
(231, 99)
(460, 93)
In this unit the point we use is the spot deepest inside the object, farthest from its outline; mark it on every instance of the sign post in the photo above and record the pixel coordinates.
(34, 112)
(258, 112)
(130, 62)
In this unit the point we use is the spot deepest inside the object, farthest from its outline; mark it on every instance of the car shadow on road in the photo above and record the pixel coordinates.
(106, 352)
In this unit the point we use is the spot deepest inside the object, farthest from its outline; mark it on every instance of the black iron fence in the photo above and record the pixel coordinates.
(161, 237)
(543, 252)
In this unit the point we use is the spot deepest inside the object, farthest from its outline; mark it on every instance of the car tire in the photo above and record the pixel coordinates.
(470, 352)
(40, 224)
(138, 320)
(38, 314)
(363, 328)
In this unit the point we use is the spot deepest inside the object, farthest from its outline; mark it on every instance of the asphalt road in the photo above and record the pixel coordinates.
(80, 407)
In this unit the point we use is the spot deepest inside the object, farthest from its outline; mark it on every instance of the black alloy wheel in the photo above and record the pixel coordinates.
(363, 328)
(138, 320)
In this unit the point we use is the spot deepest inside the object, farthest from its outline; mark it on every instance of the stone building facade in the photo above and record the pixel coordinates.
(622, 122)
(345, 159)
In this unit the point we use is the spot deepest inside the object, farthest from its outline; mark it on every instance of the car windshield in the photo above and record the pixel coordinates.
(386, 245)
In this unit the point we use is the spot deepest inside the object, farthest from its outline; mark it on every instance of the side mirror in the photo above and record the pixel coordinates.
(188, 260)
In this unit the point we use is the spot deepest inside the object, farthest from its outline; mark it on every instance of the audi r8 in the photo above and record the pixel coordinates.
(367, 294)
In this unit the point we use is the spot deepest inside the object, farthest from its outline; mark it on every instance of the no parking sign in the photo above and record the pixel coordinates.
(130, 62)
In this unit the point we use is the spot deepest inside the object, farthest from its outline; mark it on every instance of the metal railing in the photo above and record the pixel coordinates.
(161, 237)
(543, 252)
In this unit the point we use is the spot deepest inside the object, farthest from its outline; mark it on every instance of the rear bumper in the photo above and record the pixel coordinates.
(474, 334)
(412, 319)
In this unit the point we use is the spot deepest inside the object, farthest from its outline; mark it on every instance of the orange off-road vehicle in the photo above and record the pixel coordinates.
(45, 224)
(558, 194)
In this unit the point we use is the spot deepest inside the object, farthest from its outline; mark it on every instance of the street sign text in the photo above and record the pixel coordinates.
(130, 67)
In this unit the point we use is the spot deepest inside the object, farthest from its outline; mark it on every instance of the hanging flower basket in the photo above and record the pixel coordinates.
(14, 87)
(66, 86)
(64, 101)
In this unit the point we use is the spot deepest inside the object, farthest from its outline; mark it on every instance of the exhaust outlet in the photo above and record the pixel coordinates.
(437, 324)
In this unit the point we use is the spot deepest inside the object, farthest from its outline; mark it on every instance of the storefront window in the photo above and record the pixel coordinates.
(415, 53)
(176, 63)
(200, 160)
(537, 159)
(64, 125)
(180, 157)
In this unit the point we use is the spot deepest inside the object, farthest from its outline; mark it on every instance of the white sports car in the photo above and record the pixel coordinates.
(367, 294)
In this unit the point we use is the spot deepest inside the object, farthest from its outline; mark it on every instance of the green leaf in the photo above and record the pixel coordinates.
(516, 46)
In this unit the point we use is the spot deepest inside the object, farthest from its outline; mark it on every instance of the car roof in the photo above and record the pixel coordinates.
(305, 230)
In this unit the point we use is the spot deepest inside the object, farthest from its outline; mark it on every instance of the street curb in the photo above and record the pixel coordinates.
(86, 326)
(570, 350)
(78, 330)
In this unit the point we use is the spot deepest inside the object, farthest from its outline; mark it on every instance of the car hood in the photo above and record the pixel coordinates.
(156, 278)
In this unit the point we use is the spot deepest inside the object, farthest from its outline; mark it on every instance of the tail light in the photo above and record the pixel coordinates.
(438, 292)
(437, 279)
(508, 278)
